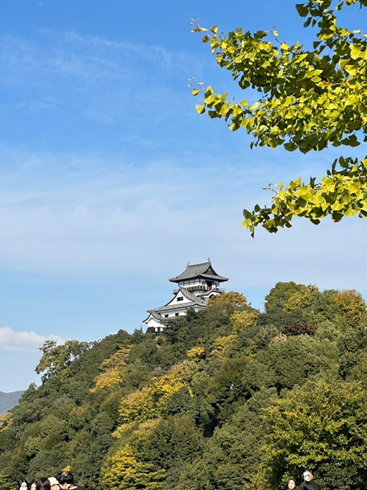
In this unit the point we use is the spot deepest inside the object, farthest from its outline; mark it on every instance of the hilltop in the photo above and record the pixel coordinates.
(224, 397)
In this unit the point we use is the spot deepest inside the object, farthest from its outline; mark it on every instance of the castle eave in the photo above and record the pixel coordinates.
(199, 270)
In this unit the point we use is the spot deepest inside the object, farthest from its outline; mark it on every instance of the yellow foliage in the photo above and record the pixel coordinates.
(228, 300)
(196, 353)
(243, 319)
(117, 359)
(133, 407)
(148, 427)
(279, 339)
(303, 298)
(140, 431)
(123, 430)
(222, 345)
(151, 401)
(5, 421)
(123, 472)
(108, 379)
(352, 306)
(308, 100)
(183, 371)
(112, 367)
(258, 480)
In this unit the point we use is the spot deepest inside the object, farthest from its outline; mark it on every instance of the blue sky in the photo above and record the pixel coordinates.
(110, 182)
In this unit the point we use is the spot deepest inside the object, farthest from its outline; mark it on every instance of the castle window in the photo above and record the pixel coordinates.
(176, 314)
(180, 298)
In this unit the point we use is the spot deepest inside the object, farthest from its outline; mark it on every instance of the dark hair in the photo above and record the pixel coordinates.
(308, 471)
(65, 477)
(20, 483)
(291, 479)
(43, 484)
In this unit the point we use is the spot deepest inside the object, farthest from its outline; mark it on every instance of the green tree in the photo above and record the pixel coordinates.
(232, 457)
(280, 295)
(56, 358)
(170, 423)
(322, 426)
(172, 440)
(227, 302)
(309, 100)
(294, 361)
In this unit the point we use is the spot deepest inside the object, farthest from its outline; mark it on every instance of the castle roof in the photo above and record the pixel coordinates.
(204, 270)
(195, 301)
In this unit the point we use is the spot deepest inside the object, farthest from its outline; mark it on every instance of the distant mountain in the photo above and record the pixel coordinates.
(9, 400)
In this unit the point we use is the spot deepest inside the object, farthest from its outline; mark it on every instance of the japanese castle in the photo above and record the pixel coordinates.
(196, 285)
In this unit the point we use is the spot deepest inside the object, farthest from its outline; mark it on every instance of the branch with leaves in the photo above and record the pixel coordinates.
(309, 100)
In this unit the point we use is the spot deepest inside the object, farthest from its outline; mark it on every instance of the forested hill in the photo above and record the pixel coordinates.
(9, 400)
(226, 397)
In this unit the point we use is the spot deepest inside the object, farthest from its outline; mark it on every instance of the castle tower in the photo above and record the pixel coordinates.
(196, 284)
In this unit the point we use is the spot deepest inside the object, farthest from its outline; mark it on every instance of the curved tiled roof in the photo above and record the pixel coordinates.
(155, 315)
(194, 301)
(192, 297)
(203, 270)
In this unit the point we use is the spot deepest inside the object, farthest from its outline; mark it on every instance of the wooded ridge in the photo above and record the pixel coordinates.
(225, 397)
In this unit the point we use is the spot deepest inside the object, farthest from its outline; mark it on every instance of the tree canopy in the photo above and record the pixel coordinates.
(310, 99)
(321, 425)
(227, 397)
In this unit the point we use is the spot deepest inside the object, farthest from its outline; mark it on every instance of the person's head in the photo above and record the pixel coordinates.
(43, 484)
(23, 484)
(291, 484)
(65, 479)
(308, 475)
(53, 483)
(33, 485)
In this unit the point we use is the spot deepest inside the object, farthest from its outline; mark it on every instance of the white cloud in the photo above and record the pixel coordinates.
(24, 341)
(78, 214)
(86, 213)
(168, 60)
(94, 77)
(63, 214)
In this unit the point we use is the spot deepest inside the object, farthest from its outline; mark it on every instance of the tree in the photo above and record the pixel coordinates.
(151, 402)
(124, 472)
(228, 301)
(57, 358)
(244, 319)
(171, 440)
(280, 294)
(309, 100)
(322, 426)
(351, 306)
(111, 374)
(232, 457)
